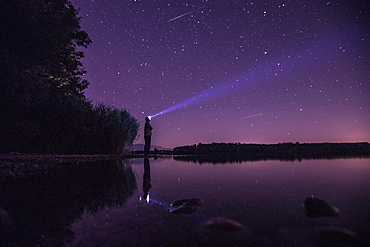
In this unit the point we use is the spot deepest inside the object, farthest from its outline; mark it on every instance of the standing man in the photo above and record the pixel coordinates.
(147, 135)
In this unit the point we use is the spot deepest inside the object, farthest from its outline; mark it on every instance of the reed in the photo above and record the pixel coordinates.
(69, 125)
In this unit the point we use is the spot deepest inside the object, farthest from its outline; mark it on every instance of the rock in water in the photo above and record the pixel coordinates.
(319, 208)
(223, 224)
(183, 209)
(185, 206)
(5, 218)
(190, 202)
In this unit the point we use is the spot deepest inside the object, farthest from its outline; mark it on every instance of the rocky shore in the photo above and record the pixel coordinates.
(15, 165)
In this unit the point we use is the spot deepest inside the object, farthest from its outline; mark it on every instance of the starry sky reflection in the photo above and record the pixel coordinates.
(233, 71)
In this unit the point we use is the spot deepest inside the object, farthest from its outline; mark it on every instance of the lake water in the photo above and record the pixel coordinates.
(103, 204)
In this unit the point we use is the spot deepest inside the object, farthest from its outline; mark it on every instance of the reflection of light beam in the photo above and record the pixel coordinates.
(307, 58)
(147, 198)
(177, 17)
(254, 115)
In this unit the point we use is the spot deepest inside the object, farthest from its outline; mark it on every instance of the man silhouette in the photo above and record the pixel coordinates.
(147, 135)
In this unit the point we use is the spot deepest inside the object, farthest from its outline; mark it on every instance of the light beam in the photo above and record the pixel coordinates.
(307, 57)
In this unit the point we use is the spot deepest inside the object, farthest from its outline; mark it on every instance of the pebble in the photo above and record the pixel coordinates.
(223, 224)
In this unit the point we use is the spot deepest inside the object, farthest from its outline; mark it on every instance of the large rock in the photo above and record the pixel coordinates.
(319, 208)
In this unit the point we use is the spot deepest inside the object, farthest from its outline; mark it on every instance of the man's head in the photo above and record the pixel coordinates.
(147, 119)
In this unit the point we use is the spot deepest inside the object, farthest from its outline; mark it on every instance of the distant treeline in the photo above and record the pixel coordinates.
(42, 105)
(232, 152)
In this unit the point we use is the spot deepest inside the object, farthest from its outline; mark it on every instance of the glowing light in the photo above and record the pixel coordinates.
(147, 199)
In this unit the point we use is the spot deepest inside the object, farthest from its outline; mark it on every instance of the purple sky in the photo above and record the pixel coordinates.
(233, 71)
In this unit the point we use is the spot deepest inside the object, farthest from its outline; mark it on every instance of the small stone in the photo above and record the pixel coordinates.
(5, 220)
(183, 209)
(190, 202)
(223, 224)
(185, 206)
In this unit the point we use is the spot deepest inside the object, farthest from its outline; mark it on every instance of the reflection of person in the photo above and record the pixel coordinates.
(147, 135)
(146, 179)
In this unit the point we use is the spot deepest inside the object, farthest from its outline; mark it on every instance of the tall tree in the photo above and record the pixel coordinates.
(39, 41)
(39, 66)
(42, 106)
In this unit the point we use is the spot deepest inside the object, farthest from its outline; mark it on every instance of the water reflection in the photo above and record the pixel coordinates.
(246, 204)
(38, 209)
(146, 180)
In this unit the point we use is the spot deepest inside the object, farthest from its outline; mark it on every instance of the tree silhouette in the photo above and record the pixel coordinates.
(39, 45)
(42, 105)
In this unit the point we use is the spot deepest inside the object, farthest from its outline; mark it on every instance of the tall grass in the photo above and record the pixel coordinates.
(68, 125)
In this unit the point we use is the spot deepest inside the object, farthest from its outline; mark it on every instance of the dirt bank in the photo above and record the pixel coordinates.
(15, 165)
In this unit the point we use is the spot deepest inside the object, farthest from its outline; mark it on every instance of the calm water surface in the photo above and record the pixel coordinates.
(104, 204)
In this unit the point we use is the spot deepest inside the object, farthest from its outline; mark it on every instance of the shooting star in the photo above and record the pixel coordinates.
(177, 17)
(254, 115)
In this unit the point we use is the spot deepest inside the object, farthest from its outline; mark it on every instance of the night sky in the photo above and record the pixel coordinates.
(233, 71)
